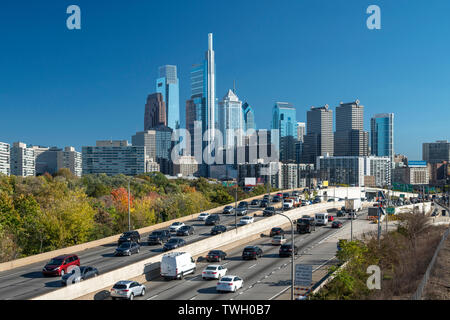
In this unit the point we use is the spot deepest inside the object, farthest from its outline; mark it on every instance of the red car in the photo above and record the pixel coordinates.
(330, 218)
(61, 265)
(336, 224)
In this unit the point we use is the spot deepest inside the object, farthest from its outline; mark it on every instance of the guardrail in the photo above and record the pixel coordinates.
(139, 268)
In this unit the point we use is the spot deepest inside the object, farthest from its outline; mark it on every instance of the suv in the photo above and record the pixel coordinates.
(276, 231)
(269, 211)
(264, 203)
(60, 265)
(159, 237)
(252, 252)
(127, 290)
(218, 229)
(286, 250)
(228, 209)
(129, 236)
(212, 220)
(127, 249)
(173, 243)
(216, 256)
(243, 204)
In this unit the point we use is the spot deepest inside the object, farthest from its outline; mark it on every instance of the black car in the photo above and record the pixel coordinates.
(269, 211)
(336, 224)
(243, 204)
(254, 202)
(218, 229)
(75, 276)
(340, 213)
(286, 250)
(286, 195)
(212, 220)
(276, 199)
(159, 237)
(264, 203)
(216, 256)
(129, 236)
(276, 231)
(185, 231)
(228, 209)
(241, 211)
(173, 243)
(127, 249)
(252, 252)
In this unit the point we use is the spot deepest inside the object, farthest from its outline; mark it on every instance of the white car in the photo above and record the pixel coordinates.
(278, 240)
(214, 271)
(246, 220)
(202, 216)
(229, 283)
(175, 226)
(127, 290)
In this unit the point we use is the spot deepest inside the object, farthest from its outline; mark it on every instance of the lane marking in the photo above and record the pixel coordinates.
(152, 297)
(253, 266)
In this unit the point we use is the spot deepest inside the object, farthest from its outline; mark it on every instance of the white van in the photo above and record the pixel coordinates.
(321, 218)
(175, 265)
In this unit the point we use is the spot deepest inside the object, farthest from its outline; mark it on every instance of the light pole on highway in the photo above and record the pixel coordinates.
(293, 254)
(129, 216)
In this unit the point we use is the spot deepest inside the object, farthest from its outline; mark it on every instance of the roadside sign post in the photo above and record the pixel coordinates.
(303, 278)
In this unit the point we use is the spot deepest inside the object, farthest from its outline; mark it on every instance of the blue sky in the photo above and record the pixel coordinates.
(62, 87)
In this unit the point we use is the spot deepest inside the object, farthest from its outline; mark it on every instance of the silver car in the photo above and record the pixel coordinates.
(127, 290)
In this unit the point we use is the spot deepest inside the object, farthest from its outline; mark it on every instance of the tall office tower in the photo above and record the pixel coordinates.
(167, 84)
(350, 139)
(382, 135)
(70, 159)
(163, 141)
(114, 157)
(249, 117)
(148, 140)
(319, 138)
(211, 88)
(301, 130)
(231, 122)
(284, 120)
(436, 152)
(155, 111)
(22, 160)
(5, 158)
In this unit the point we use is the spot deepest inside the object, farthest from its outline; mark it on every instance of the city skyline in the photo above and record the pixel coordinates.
(43, 101)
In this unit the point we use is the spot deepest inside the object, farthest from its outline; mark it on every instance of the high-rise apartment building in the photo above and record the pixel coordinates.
(22, 160)
(350, 139)
(319, 138)
(148, 140)
(436, 152)
(155, 111)
(71, 159)
(231, 122)
(167, 85)
(382, 135)
(5, 158)
(284, 120)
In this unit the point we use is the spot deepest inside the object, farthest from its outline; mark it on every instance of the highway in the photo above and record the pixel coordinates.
(27, 282)
(265, 278)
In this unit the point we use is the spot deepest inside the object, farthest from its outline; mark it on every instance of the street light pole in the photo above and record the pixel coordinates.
(235, 207)
(129, 216)
(292, 256)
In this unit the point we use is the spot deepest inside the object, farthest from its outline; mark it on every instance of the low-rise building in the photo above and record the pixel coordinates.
(185, 166)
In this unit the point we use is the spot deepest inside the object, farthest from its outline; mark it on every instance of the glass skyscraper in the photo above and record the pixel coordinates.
(284, 119)
(249, 117)
(382, 135)
(231, 122)
(167, 84)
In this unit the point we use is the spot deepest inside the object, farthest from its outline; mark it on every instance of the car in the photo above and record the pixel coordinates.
(243, 204)
(276, 199)
(352, 215)
(175, 226)
(217, 229)
(78, 275)
(340, 213)
(331, 200)
(276, 231)
(127, 249)
(286, 195)
(278, 240)
(185, 231)
(202, 216)
(241, 211)
(159, 237)
(264, 204)
(269, 211)
(246, 220)
(174, 243)
(60, 265)
(129, 236)
(229, 283)
(267, 197)
(228, 210)
(286, 250)
(252, 252)
(212, 220)
(255, 202)
(330, 218)
(127, 290)
(214, 271)
(216, 256)
(336, 224)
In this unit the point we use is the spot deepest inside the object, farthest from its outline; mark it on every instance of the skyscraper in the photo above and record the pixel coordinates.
(319, 139)
(301, 130)
(350, 139)
(284, 119)
(231, 122)
(155, 111)
(167, 84)
(249, 117)
(436, 152)
(22, 160)
(382, 135)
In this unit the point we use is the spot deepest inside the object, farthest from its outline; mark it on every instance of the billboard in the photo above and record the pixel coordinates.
(250, 182)
(417, 163)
